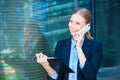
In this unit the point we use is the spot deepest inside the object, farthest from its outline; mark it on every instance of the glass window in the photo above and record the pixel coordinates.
(107, 30)
(28, 27)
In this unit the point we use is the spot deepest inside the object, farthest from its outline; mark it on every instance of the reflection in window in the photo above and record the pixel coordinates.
(29, 27)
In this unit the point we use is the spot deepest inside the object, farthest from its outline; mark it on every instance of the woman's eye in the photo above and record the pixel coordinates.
(77, 23)
(71, 21)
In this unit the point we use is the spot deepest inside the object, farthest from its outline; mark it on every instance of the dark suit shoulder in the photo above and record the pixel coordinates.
(96, 42)
(64, 42)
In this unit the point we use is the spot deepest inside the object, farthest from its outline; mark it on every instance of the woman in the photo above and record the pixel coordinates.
(80, 52)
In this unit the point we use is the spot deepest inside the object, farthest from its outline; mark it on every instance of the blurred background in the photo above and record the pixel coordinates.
(32, 26)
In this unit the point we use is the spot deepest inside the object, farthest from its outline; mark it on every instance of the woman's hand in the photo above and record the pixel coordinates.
(78, 38)
(42, 59)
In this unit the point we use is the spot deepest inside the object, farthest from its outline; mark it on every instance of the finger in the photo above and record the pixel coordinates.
(40, 55)
(37, 55)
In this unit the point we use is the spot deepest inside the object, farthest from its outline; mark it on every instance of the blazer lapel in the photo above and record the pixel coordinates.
(86, 47)
(66, 49)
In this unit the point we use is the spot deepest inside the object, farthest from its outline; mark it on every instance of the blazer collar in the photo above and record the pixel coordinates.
(86, 42)
(67, 47)
(86, 47)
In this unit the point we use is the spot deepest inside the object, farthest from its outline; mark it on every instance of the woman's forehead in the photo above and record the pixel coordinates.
(77, 17)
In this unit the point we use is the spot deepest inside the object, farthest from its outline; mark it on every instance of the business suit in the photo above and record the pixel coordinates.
(93, 52)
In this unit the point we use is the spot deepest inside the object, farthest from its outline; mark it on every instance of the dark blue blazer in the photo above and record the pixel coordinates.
(93, 52)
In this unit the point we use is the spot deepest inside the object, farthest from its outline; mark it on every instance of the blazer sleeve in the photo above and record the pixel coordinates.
(58, 48)
(92, 64)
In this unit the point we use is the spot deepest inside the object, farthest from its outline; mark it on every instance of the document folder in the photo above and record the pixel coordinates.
(59, 66)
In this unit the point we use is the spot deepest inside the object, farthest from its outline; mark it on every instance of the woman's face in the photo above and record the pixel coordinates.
(76, 23)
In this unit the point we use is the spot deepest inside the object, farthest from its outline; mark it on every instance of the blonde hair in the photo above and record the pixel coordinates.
(87, 16)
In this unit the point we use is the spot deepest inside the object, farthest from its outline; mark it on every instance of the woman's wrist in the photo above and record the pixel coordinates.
(50, 70)
(81, 56)
(79, 49)
(47, 67)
